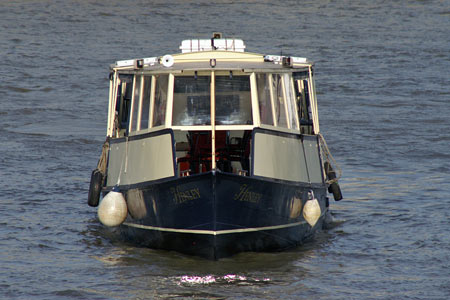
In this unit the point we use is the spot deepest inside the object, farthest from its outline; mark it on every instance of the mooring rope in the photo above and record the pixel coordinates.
(330, 159)
(101, 165)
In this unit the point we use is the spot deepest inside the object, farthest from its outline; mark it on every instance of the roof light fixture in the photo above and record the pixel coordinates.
(139, 63)
(167, 60)
(287, 61)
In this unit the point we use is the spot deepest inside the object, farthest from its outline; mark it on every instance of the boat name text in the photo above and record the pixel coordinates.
(246, 195)
(180, 197)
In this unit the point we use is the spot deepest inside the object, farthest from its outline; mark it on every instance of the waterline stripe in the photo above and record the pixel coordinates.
(212, 232)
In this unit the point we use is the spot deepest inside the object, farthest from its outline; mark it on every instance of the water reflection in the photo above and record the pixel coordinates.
(144, 273)
(225, 279)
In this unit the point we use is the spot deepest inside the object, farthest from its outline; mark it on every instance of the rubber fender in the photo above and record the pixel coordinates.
(336, 191)
(334, 187)
(331, 174)
(95, 188)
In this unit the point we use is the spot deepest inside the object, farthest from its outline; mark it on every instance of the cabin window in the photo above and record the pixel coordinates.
(279, 108)
(159, 111)
(123, 104)
(233, 100)
(290, 101)
(145, 109)
(192, 100)
(301, 87)
(135, 103)
(276, 100)
(139, 117)
(264, 100)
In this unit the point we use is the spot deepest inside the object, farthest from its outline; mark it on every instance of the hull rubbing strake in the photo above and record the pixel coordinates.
(219, 232)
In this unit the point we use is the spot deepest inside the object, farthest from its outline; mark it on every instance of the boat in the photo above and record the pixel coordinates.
(214, 151)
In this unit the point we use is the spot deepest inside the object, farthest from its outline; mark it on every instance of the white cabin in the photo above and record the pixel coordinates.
(192, 112)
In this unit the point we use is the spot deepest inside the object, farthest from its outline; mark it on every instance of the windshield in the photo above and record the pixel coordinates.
(192, 100)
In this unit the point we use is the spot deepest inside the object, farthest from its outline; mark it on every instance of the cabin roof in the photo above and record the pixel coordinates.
(214, 60)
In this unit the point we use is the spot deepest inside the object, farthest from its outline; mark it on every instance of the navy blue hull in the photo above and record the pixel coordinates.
(217, 214)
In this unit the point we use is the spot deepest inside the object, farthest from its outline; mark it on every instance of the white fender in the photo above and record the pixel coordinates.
(113, 211)
(311, 210)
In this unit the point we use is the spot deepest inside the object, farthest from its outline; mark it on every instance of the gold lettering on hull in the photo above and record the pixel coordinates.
(180, 197)
(246, 195)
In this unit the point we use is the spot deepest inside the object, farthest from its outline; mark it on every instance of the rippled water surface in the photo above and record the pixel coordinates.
(383, 77)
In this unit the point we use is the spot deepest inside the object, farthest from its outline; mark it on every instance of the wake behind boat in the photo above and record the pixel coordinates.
(214, 151)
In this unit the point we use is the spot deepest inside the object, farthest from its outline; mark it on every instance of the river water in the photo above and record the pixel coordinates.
(383, 77)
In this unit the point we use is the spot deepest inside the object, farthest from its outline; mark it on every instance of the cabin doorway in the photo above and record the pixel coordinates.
(194, 151)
